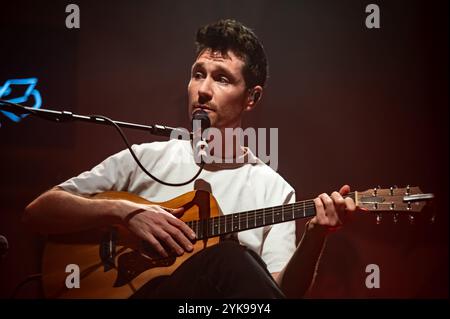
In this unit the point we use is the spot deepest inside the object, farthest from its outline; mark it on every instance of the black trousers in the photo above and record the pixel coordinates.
(225, 270)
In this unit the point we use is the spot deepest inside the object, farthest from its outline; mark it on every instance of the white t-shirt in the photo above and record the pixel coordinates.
(237, 187)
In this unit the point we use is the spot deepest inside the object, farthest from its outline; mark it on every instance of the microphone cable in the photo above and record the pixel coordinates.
(125, 140)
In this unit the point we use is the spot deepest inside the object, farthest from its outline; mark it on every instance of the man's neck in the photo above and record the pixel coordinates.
(232, 145)
(226, 144)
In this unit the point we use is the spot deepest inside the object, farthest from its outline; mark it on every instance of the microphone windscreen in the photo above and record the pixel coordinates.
(202, 116)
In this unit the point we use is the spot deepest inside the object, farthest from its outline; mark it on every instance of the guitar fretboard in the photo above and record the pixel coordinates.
(230, 223)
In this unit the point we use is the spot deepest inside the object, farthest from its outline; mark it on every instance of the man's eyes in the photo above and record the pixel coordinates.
(197, 75)
(219, 78)
(223, 79)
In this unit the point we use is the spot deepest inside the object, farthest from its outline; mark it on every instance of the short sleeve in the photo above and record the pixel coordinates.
(113, 174)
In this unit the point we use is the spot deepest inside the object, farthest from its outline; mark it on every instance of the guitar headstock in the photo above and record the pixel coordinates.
(394, 200)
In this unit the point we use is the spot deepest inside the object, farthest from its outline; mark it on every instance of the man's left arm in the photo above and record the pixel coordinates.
(298, 275)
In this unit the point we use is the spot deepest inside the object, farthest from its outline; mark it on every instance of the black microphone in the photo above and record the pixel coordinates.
(202, 116)
(200, 122)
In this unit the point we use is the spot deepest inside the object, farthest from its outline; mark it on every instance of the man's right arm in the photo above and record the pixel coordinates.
(57, 211)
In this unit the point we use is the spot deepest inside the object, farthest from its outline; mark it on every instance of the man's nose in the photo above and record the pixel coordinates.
(205, 91)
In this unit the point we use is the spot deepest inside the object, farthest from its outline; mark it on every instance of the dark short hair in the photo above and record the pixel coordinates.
(229, 34)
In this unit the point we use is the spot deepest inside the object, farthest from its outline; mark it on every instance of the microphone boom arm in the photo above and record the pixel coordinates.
(65, 116)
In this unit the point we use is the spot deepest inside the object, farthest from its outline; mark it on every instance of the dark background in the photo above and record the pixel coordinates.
(353, 105)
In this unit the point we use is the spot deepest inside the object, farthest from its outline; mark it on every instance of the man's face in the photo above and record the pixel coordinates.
(217, 86)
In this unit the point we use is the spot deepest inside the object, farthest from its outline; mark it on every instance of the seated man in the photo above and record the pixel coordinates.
(227, 78)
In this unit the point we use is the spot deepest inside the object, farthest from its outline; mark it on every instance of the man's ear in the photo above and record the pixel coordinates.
(253, 97)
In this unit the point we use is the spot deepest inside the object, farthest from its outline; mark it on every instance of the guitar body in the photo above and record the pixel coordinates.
(113, 263)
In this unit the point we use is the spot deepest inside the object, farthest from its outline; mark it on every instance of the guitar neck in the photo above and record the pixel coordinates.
(225, 224)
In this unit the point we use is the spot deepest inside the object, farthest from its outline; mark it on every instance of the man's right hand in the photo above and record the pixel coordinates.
(158, 226)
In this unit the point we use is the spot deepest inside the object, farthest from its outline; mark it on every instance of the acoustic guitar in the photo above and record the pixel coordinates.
(114, 263)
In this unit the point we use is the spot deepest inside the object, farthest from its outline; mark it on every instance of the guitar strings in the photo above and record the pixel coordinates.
(262, 213)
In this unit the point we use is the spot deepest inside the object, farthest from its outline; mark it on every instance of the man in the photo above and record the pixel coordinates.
(227, 79)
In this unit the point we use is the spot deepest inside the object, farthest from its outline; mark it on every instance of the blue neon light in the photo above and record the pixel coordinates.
(5, 90)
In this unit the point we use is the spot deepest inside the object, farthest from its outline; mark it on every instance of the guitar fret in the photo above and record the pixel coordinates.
(282, 213)
(304, 209)
(241, 222)
(254, 218)
(224, 220)
(259, 217)
(246, 214)
(273, 215)
(215, 227)
(293, 216)
(279, 215)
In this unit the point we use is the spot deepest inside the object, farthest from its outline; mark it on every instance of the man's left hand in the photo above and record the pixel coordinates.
(331, 211)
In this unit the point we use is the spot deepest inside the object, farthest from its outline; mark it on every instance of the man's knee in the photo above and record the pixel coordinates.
(228, 249)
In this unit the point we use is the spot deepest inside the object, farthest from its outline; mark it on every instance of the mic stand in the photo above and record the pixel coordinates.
(65, 116)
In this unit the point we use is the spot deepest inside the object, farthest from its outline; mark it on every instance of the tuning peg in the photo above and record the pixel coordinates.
(411, 219)
(379, 217)
(395, 218)
(374, 193)
(408, 190)
(391, 191)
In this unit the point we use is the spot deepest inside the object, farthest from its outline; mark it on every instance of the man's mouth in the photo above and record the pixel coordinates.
(202, 107)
